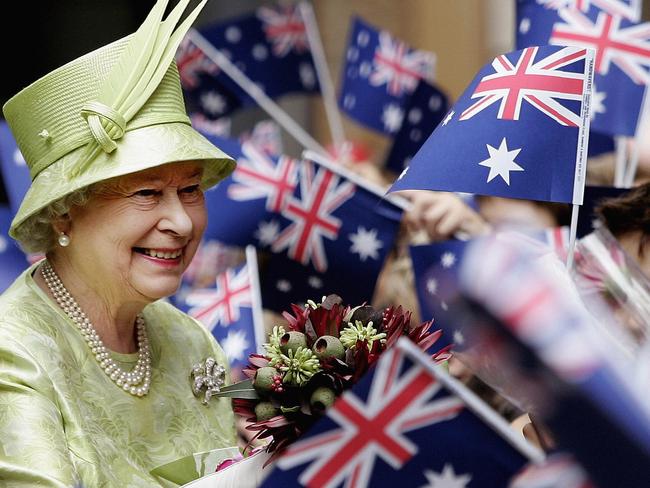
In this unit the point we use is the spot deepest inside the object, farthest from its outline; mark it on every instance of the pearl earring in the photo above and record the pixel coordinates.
(64, 239)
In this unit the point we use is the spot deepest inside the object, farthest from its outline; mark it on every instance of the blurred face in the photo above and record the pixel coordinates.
(134, 238)
(631, 243)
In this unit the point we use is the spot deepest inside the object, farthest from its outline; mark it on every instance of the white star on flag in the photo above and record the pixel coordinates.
(315, 282)
(459, 338)
(213, 102)
(392, 117)
(501, 162)
(524, 25)
(448, 259)
(432, 286)
(235, 344)
(267, 232)
(365, 243)
(446, 479)
(598, 103)
(448, 117)
(283, 285)
(307, 75)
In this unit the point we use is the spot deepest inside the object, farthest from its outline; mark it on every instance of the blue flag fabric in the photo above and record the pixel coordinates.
(302, 210)
(15, 172)
(12, 260)
(435, 270)
(380, 74)
(400, 423)
(518, 131)
(269, 45)
(227, 309)
(424, 111)
(622, 61)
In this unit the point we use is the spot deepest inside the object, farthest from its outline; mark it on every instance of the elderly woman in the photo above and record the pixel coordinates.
(95, 369)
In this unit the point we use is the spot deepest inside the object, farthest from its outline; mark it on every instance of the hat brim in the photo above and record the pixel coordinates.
(138, 149)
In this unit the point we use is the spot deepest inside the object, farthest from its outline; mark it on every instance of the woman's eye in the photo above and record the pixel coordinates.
(146, 193)
(191, 189)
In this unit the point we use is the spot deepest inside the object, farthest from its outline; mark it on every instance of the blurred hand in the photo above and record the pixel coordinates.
(442, 215)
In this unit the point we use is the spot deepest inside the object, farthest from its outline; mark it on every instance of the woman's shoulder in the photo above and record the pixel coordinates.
(174, 325)
(22, 308)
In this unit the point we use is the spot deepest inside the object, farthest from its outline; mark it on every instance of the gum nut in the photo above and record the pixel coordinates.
(367, 314)
(292, 340)
(265, 411)
(322, 398)
(327, 347)
(264, 378)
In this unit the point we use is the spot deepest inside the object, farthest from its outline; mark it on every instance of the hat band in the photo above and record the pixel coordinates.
(106, 124)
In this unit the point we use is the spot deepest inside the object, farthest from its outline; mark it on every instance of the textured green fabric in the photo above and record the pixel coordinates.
(62, 420)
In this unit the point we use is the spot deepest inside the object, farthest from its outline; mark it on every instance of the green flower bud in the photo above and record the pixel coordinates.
(322, 398)
(264, 378)
(265, 411)
(292, 340)
(328, 347)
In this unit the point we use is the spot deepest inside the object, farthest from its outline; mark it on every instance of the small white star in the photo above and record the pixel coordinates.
(415, 135)
(403, 173)
(501, 162)
(235, 344)
(267, 232)
(260, 52)
(432, 286)
(598, 103)
(365, 243)
(459, 338)
(349, 101)
(365, 69)
(233, 34)
(363, 38)
(446, 479)
(3, 244)
(448, 259)
(415, 115)
(283, 286)
(213, 102)
(19, 160)
(307, 76)
(434, 103)
(315, 282)
(448, 117)
(524, 25)
(392, 117)
(353, 54)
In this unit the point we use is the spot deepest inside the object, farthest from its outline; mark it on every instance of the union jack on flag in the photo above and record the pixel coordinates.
(398, 66)
(629, 9)
(379, 433)
(321, 193)
(192, 62)
(284, 28)
(539, 80)
(221, 305)
(265, 136)
(258, 176)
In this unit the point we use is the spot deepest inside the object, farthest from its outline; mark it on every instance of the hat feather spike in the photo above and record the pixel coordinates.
(134, 77)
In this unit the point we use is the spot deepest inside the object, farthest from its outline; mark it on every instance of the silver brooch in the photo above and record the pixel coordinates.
(207, 379)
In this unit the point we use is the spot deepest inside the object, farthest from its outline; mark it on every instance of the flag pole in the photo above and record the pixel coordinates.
(621, 157)
(255, 92)
(572, 236)
(324, 77)
(256, 298)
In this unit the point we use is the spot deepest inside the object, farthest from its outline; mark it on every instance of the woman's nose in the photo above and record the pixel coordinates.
(174, 215)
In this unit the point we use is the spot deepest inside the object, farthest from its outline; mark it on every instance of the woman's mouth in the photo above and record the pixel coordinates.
(161, 256)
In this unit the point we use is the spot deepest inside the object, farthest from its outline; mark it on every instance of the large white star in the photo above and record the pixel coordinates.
(365, 243)
(501, 162)
(235, 344)
(432, 286)
(446, 479)
(267, 232)
(448, 259)
(392, 117)
(598, 103)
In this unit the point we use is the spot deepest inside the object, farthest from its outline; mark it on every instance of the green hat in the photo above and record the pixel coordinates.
(111, 112)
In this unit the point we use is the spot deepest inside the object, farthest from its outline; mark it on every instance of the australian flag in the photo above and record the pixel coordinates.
(400, 423)
(380, 74)
(231, 309)
(425, 109)
(326, 224)
(15, 172)
(435, 269)
(12, 260)
(269, 45)
(518, 131)
(622, 60)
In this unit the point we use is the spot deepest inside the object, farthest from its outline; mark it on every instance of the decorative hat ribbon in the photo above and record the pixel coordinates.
(135, 76)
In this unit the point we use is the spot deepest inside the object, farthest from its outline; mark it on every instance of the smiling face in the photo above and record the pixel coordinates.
(137, 234)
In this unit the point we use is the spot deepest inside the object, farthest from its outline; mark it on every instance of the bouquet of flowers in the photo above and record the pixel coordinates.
(321, 351)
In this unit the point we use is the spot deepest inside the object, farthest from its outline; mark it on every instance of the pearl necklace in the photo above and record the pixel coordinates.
(135, 382)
